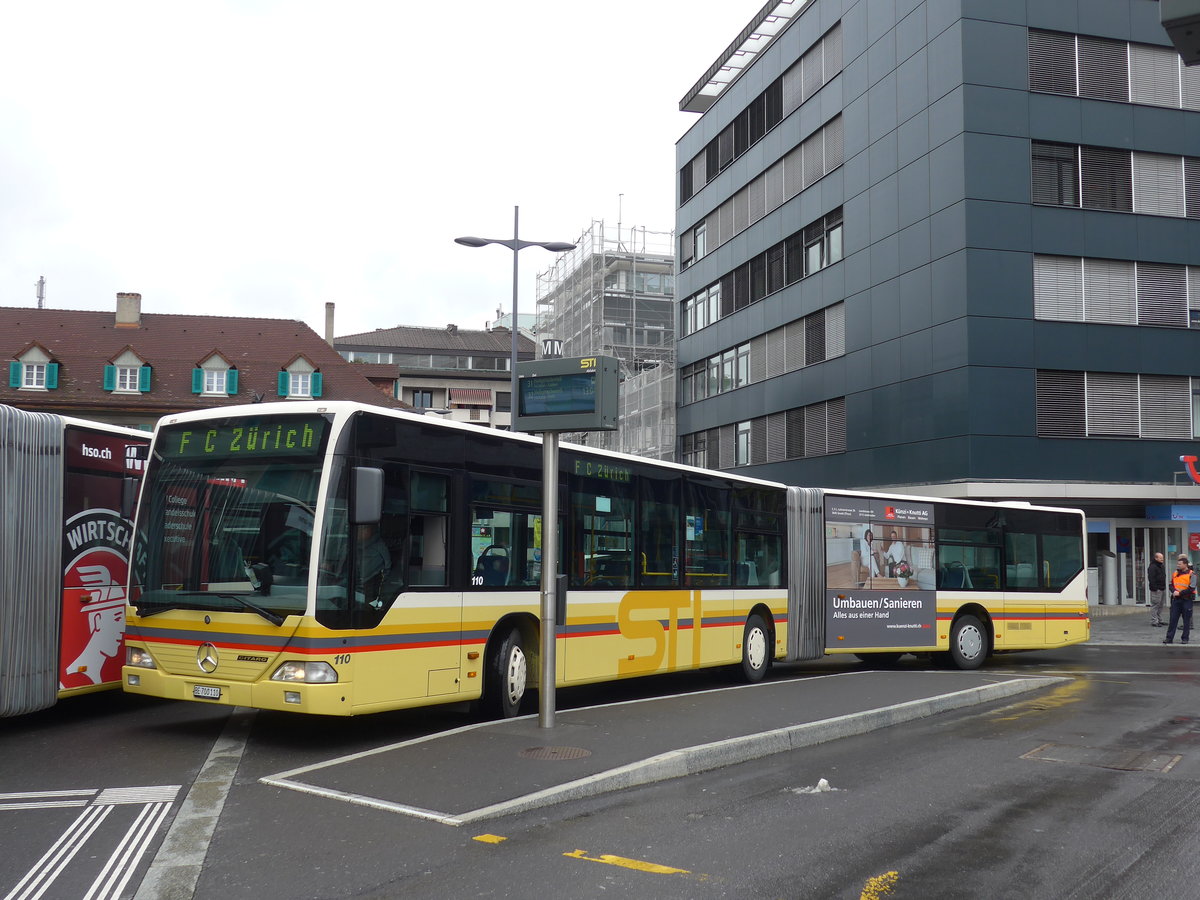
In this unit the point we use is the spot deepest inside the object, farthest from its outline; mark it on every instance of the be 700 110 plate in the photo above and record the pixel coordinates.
(206, 692)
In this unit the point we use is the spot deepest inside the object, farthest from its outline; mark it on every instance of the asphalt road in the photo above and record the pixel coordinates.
(1084, 790)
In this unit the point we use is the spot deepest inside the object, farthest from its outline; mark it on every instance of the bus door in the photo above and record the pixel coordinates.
(409, 620)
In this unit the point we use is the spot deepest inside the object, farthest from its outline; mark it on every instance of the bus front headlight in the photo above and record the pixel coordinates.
(307, 672)
(136, 656)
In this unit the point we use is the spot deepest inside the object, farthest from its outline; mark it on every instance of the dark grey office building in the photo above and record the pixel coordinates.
(950, 247)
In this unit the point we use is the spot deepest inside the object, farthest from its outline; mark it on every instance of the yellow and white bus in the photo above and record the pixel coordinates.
(339, 559)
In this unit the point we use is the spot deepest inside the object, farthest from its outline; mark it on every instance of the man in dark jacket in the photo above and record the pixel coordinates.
(1156, 583)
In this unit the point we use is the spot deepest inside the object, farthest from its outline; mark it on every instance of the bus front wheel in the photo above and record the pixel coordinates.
(506, 677)
(968, 643)
(756, 649)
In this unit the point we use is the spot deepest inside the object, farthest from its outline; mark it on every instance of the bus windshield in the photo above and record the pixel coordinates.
(227, 517)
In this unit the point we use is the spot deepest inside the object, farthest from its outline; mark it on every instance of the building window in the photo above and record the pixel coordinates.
(127, 378)
(422, 399)
(35, 375)
(214, 381)
(300, 384)
(741, 446)
(503, 401)
(1114, 405)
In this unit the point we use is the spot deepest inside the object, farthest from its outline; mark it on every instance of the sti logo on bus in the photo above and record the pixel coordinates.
(588, 362)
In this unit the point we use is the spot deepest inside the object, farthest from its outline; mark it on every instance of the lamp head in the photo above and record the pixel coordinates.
(558, 246)
(472, 241)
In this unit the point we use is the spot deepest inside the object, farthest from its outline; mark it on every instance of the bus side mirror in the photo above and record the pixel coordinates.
(366, 502)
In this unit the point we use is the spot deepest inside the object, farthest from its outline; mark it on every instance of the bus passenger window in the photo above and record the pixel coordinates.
(658, 532)
(706, 536)
(601, 556)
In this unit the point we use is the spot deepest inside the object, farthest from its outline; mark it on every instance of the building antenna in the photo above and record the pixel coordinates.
(41, 291)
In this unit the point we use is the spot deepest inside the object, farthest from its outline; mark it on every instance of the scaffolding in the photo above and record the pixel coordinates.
(615, 296)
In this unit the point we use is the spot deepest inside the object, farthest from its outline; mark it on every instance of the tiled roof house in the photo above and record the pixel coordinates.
(133, 368)
(458, 373)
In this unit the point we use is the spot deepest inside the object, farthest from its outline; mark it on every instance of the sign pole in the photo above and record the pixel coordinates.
(546, 685)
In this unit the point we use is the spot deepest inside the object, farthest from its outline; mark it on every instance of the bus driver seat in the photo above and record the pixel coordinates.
(492, 566)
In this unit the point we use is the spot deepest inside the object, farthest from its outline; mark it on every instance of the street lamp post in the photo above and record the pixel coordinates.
(550, 480)
(515, 245)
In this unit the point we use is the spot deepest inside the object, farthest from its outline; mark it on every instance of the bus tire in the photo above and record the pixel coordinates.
(505, 677)
(756, 649)
(968, 643)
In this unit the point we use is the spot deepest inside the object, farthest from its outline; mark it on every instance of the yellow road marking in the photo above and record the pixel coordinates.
(489, 838)
(879, 886)
(1059, 697)
(636, 864)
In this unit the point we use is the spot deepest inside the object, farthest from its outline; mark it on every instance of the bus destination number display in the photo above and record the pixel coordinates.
(245, 439)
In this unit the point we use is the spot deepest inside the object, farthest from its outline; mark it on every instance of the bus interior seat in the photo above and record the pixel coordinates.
(492, 566)
(955, 577)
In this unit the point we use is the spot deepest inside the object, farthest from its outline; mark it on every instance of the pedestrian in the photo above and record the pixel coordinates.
(1156, 583)
(1183, 593)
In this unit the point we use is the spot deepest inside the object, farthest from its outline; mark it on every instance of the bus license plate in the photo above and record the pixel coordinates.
(206, 692)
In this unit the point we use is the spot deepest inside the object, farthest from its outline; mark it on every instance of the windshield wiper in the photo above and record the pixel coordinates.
(154, 610)
(148, 610)
(253, 607)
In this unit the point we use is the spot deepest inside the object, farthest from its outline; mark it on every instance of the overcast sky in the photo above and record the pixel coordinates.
(254, 157)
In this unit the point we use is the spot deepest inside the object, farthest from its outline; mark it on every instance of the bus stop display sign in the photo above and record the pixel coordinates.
(575, 394)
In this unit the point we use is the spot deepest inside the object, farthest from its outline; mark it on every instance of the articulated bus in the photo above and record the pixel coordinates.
(64, 547)
(339, 559)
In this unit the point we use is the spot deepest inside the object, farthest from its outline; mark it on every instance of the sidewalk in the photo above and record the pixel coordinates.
(494, 769)
(1128, 625)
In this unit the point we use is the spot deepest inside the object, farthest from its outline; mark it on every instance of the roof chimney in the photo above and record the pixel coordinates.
(129, 310)
(452, 328)
(329, 323)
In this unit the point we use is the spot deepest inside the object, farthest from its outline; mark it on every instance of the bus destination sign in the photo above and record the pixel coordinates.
(244, 438)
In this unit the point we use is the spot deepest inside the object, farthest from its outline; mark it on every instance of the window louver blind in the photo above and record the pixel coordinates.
(795, 433)
(1060, 404)
(1162, 295)
(1158, 184)
(794, 346)
(1110, 291)
(758, 441)
(775, 352)
(776, 437)
(814, 337)
(836, 431)
(1166, 402)
(833, 144)
(816, 430)
(1052, 62)
(1055, 174)
(1058, 288)
(1103, 69)
(1153, 75)
(835, 331)
(1107, 178)
(1112, 404)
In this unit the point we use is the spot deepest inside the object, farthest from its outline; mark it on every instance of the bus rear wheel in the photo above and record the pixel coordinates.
(505, 677)
(756, 649)
(968, 643)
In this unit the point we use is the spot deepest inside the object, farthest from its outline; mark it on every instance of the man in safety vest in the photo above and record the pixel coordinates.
(1183, 593)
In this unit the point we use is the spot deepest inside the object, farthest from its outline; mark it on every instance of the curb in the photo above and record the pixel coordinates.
(705, 757)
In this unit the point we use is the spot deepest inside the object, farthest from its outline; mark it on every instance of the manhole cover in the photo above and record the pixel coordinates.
(554, 753)
(1127, 760)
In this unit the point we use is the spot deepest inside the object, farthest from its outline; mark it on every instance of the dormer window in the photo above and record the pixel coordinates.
(299, 380)
(32, 370)
(215, 377)
(127, 374)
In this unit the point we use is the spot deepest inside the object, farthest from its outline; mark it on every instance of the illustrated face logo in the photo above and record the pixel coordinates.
(207, 658)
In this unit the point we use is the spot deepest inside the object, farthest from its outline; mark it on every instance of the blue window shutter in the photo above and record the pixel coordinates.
(231, 382)
(197, 381)
(14, 374)
(316, 384)
(284, 380)
(110, 378)
(144, 379)
(51, 376)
